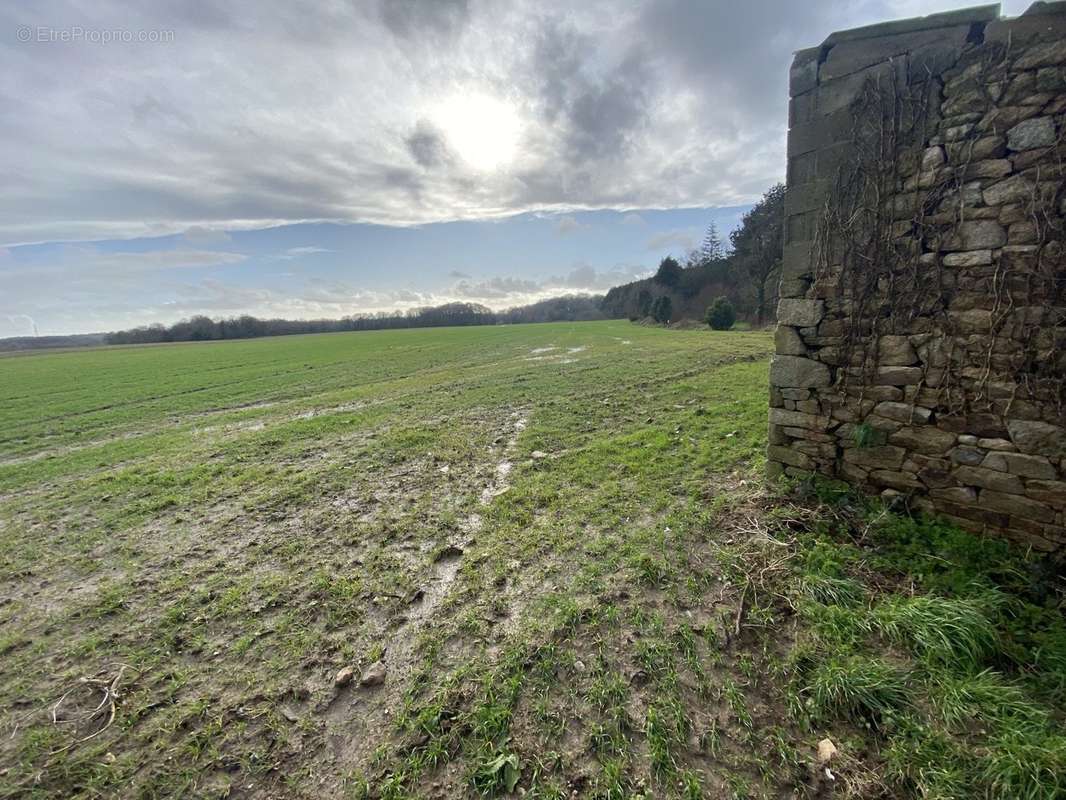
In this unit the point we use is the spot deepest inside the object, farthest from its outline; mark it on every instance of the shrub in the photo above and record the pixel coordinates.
(662, 309)
(720, 314)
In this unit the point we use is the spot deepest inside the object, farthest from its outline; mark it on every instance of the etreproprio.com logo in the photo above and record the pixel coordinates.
(47, 34)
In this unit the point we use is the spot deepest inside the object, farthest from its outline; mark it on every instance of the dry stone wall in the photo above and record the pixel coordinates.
(921, 344)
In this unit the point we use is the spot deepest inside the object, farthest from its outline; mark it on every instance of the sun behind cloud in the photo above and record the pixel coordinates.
(481, 129)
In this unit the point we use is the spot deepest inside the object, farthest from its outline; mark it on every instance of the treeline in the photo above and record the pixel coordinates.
(745, 272)
(13, 343)
(201, 328)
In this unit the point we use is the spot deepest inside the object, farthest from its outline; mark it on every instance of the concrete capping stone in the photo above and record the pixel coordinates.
(803, 74)
(946, 19)
(857, 54)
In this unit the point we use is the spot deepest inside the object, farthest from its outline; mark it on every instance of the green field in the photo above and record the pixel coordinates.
(460, 562)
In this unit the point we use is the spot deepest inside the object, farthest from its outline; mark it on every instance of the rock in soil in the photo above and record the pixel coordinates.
(374, 675)
(344, 677)
(826, 751)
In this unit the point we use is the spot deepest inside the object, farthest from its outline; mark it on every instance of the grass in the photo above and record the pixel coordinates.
(630, 614)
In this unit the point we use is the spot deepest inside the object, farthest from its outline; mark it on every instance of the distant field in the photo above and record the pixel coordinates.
(238, 521)
(464, 562)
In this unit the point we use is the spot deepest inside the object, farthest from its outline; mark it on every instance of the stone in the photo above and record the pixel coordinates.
(788, 342)
(969, 456)
(989, 168)
(344, 676)
(895, 351)
(779, 434)
(798, 372)
(886, 457)
(1051, 53)
(979, 424)
(798, 419)
(993, 444)
(955, 494)
(989, 479)
(1038, 438)
(374, 675)
(786, 455)
(800, 313)
(1049, 79)
(1016, 506)
(794, 287)
(1032, 133)
(970, 258)
(811, 436)
(977, 149)
(974, 514)
(1053, 493)
(932, 158)
(903, 412)
(1020, 464)
(926, 439)
(977, 234)
(898, 376)
(852, 473)
(826, 751)
(537, 455)
(896, 480)
(1014, 189)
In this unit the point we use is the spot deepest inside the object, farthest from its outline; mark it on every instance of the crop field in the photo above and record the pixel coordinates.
(478, 561)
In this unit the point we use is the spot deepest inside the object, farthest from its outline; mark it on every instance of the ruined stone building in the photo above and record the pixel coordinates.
(921, 347)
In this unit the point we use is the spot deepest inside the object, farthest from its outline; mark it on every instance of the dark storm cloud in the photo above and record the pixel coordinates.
(599, 113)
(426, 145)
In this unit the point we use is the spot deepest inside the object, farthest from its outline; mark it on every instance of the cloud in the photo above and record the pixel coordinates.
(674, 241)
(458, 274)
(297, 252)
(427, 146)
(408, 19)
(17, 325)
(633, 219)
(652, 104)
(495, 288)
(568, 224)
(508, 291)
(204, 237)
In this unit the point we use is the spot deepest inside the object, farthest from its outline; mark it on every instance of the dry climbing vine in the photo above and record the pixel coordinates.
(879, 242)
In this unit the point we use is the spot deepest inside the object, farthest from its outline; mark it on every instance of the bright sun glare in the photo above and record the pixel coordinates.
(482, 130)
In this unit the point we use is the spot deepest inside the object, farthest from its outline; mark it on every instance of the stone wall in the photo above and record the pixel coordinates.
(921, 344)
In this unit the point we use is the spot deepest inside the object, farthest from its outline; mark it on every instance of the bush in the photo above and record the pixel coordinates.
(662, 309)
(721, 315)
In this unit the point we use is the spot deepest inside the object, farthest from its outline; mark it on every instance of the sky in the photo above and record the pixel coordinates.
(317, 159)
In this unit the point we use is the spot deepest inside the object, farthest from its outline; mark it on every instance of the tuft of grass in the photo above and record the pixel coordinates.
(943, 629)
(1026, 765)
(986, 697)
(832, 590)
(865, 689)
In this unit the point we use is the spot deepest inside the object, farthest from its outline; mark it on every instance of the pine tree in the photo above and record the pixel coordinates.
(712, 248)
